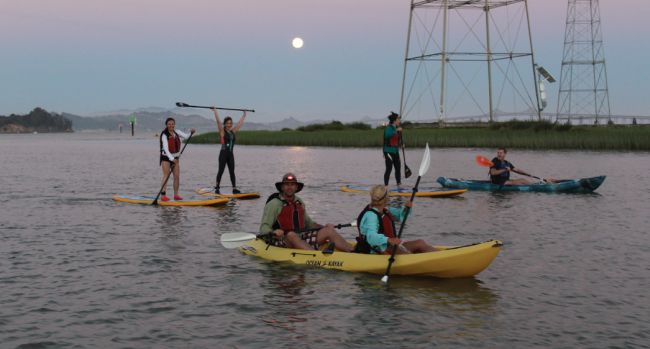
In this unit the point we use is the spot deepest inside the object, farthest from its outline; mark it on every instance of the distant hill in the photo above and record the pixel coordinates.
(150, 119)
(38, 120)
(153, 119)
(145, 121)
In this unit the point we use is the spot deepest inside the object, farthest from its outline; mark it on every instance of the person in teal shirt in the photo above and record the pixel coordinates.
(392, 139)
(377, 231)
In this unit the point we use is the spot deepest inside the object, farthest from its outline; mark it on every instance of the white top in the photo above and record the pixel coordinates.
(165, 144)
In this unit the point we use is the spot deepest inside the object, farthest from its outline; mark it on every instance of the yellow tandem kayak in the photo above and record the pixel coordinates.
(449, 262)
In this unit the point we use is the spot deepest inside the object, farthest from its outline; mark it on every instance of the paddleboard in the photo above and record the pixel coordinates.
(241, 196)
(193, 201)
(406, 191)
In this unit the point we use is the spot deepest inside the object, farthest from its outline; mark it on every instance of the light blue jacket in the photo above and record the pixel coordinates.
(369, 227)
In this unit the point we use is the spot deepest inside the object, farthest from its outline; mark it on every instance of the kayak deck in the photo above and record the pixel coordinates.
(448, 262)
(147, 200)
(581, 185)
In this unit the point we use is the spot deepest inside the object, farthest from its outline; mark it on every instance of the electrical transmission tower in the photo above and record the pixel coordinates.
(469, 60)
(583, 81)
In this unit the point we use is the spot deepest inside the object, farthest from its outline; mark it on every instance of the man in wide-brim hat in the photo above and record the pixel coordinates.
(289, 178)
(286, 218)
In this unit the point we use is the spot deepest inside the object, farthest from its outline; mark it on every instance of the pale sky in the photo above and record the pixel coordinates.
(92, 56)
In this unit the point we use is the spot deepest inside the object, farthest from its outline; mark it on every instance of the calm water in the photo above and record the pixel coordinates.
(78, 270)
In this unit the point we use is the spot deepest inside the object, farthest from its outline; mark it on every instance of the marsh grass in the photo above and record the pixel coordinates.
(626, 138)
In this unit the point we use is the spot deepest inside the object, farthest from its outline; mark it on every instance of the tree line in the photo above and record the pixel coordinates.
(38, 120)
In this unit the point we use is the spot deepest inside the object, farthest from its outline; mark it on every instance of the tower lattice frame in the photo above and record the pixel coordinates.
(583, 89)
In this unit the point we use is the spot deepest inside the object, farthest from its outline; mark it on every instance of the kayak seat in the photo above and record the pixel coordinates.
(329, 249)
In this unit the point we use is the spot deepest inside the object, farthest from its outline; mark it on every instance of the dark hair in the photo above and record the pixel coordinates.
(392, 117)
(228, 118)
(504, 149)
(168, 120)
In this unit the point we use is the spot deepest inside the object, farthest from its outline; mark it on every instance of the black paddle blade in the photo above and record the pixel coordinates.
(182, 105)
(407, 172)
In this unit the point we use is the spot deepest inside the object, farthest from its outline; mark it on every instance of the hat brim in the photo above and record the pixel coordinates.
(278, 186)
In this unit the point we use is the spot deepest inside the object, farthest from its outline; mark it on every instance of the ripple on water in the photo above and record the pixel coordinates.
(79, 270)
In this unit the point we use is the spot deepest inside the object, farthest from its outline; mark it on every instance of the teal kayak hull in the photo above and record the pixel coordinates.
(582, 185)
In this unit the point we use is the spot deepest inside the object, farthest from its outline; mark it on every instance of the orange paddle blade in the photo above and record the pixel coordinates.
(483, 161)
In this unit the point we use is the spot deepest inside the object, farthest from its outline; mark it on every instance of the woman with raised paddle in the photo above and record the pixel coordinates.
(285, 220)
(376, 224)
(392, 134)
(170, 151)
(226, 155)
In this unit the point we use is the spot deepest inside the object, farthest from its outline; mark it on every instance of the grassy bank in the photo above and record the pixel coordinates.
(635, 138)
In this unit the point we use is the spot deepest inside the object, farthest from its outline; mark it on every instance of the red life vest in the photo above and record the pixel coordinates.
(392, 141)
(386, 227)
(174, 143)
(291, 217)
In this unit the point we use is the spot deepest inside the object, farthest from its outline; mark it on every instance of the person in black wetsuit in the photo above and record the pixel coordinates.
(226, 155)
(500, 171)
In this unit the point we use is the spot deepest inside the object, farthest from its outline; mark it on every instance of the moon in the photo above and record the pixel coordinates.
(297, 42)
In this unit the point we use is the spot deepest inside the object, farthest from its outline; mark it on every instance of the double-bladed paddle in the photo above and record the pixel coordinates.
(171, 169)
(483, 161)
(235, 240)
(185, 105)
(424, 167)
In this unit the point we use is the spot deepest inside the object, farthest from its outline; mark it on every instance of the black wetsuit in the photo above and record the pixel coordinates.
(227, 157)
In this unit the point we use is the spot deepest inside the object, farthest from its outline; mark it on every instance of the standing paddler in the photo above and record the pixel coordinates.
(392, 135)
(170, 151)
(226, 155)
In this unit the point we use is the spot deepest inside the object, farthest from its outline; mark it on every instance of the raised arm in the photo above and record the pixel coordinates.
(219, 124)
(240, 122)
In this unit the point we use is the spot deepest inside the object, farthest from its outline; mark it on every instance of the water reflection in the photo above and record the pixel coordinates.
(285, 297)
(169, 220)
(425, 309)
(435, 292)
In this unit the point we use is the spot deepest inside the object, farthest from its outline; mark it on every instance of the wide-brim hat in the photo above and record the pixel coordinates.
(289, 178)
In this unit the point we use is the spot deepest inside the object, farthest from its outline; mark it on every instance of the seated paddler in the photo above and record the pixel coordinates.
(377, 227)
(286, 218)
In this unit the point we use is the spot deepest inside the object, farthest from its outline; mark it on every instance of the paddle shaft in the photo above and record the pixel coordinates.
(529, 175)
(407, 170)
(401, 228)
(310, 230)
(171, 169)
(185, 105)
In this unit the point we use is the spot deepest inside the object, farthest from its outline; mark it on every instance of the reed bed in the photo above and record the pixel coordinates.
(621, 138)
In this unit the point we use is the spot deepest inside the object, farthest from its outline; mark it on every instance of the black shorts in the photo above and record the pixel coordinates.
(164, 158)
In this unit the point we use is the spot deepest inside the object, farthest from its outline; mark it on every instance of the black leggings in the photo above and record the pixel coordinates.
(226, 157)
(392, 160)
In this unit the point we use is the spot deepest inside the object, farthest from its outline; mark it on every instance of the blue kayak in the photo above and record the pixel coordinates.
(582, 185)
